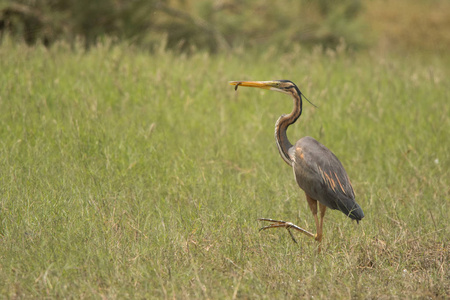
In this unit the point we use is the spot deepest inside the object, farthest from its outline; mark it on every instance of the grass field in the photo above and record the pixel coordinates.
(130, 175)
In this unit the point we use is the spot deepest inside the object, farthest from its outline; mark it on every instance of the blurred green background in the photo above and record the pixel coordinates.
(187, 25)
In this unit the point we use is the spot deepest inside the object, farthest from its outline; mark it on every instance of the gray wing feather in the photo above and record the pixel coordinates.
(321, 175)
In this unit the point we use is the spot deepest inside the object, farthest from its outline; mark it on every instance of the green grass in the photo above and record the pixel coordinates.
(130, 175)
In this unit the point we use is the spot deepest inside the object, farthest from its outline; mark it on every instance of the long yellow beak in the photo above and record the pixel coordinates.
(259, 84)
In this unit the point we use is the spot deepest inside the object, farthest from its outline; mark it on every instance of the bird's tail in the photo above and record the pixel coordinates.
(355, 212)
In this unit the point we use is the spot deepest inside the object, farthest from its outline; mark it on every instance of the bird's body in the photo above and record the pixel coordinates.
(318, 172)
(321, 175)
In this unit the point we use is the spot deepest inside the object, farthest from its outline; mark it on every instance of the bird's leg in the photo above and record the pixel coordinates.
(288, 225)
(319, 234)
(313, 206)
(284, 224)
(323, 208)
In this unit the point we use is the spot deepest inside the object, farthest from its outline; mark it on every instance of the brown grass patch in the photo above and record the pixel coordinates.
(420, 25)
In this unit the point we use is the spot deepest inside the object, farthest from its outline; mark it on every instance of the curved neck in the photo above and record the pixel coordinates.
(283, 123)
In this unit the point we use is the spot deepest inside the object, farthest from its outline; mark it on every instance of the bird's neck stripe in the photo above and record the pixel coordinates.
(283, 143)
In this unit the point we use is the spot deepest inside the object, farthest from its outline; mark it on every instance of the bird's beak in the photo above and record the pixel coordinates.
(259, 84)
(268, 85)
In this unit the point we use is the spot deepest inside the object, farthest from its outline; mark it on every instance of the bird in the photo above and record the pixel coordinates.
(318, 172)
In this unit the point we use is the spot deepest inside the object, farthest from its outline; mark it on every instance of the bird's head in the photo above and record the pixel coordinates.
(282, 86)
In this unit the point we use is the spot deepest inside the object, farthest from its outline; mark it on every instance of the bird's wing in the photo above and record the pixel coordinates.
(321, 175)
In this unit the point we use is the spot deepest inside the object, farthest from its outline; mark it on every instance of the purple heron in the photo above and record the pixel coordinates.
(318, 172)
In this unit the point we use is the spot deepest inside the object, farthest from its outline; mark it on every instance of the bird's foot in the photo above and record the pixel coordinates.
(287, 225)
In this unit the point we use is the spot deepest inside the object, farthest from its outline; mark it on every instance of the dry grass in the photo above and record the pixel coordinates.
(129, 175)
